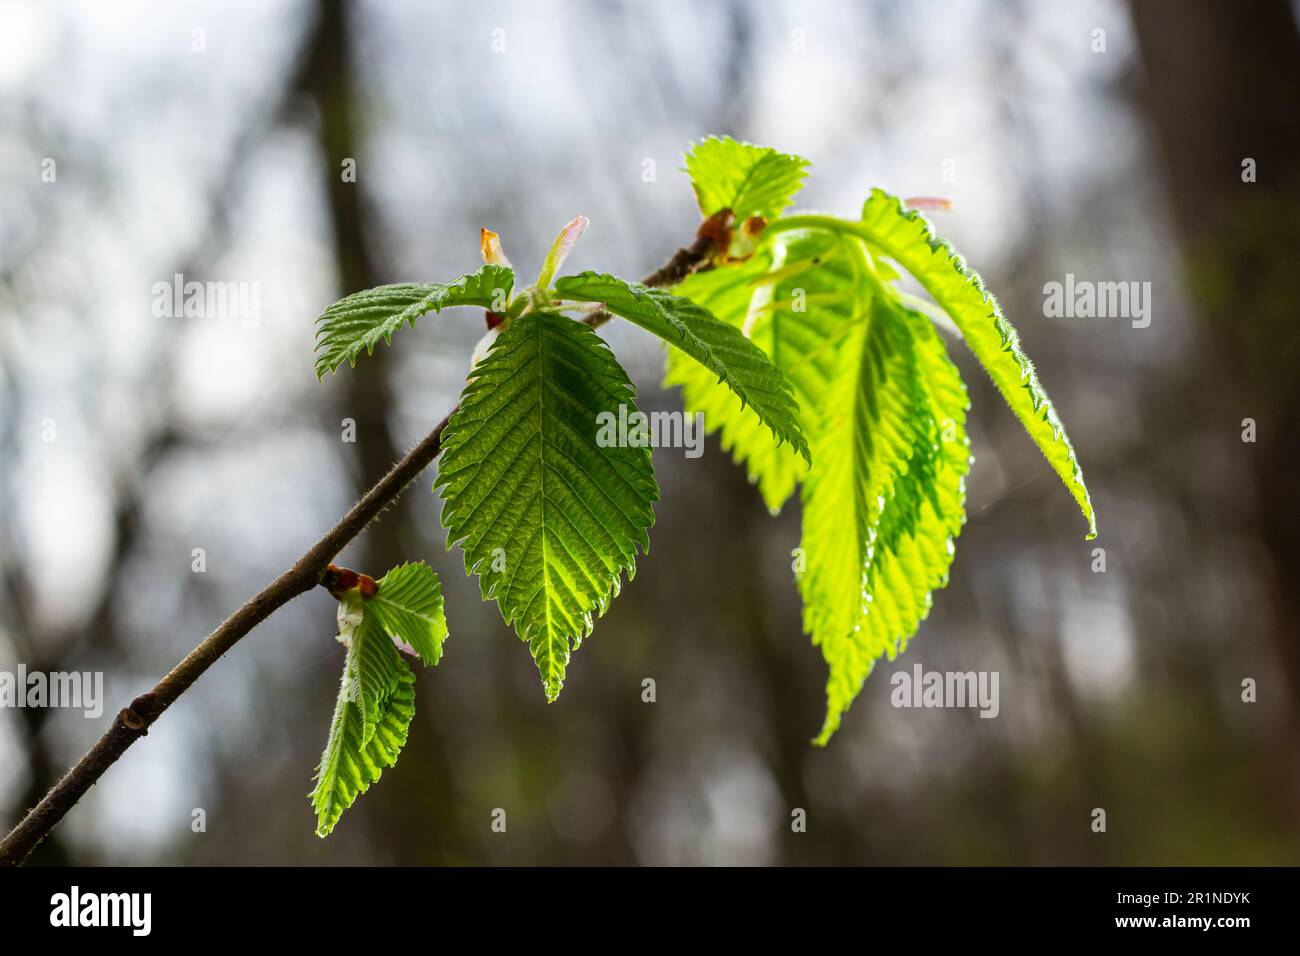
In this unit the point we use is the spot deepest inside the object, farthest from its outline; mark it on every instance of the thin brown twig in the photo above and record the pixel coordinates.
(134, 720)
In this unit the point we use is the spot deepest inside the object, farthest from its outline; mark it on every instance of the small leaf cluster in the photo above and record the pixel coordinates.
(376, 701)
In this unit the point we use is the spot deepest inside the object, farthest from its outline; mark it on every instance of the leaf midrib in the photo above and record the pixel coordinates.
(541, 479)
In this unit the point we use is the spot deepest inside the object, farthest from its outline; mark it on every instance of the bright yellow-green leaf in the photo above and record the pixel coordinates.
(884, 411)
(906, 237)
(885, 497)
(747, 179)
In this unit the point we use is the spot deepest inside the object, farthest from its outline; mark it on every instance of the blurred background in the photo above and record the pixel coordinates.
(208, 139)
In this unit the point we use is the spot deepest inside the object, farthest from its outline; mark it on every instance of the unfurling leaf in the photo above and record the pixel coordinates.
(548, 516)
(560, 250)
(372, 715)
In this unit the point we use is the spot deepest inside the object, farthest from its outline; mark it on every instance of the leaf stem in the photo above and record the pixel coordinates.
(815, 221)
(855, 234)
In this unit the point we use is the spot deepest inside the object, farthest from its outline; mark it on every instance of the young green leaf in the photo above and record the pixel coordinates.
(906, 237)
(747, 179)
(775, 467)
(884, 412)
(547, 515)
(720, 347)
(799, 314)
(884, 499)
(409, 607)
(377, 667)
(372, 715)
(362, 319)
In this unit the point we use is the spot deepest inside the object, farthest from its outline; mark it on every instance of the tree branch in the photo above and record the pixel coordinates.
(133, 721)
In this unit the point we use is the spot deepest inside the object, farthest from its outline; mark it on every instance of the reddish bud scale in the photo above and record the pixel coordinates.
(717, 229)
(338, 581)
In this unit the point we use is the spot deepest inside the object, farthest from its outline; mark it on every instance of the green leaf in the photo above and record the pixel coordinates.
(372, 716)
(906, 237)
(378, 669)
(747, 179)
(884, 499)
(547, 517)
(775, 467)
(884, 411)
(362, 319)
(720, 347)
(409, 607)
(799, 315)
